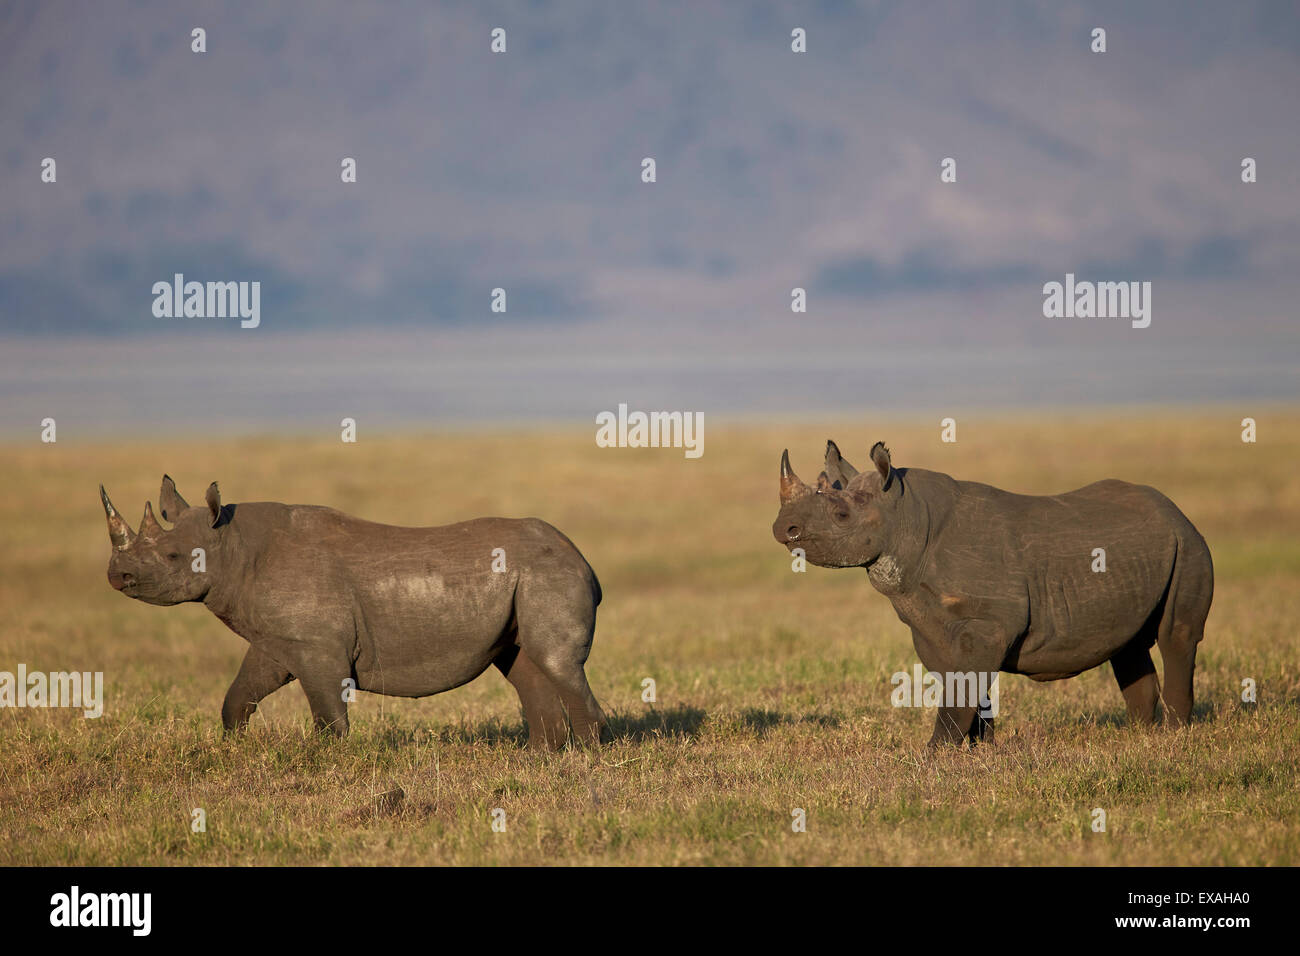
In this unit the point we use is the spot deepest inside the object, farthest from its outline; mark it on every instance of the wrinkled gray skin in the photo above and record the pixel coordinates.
(993, 581)
(322, 597)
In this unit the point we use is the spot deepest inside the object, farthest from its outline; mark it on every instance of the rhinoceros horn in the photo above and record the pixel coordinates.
(119, 532)
(791, 486)
(149, 526)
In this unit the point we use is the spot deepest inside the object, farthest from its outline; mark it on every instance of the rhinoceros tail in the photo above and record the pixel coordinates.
(595, 587)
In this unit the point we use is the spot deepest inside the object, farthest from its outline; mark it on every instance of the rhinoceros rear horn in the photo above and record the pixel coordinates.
(791, 486)
(119, 532)
(149, 526)
(170, 502)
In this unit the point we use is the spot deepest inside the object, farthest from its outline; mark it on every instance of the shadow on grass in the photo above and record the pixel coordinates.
(490, 732)
(655, 723)
(1202, 712)
(761, 720)
(647, 725)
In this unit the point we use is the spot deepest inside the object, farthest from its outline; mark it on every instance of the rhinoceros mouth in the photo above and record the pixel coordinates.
(121, 581)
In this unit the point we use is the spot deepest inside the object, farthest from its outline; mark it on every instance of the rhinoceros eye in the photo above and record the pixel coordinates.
(173, 556)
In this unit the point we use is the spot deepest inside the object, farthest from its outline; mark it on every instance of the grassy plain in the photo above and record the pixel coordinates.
(773, 687)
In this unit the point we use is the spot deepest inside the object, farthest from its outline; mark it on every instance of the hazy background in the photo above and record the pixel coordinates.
(522, 171)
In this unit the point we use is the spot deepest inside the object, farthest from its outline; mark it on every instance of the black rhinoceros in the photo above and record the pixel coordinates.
(340, 603)
(992, 581)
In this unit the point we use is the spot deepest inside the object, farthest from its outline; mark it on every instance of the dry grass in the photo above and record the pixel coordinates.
(773, 687)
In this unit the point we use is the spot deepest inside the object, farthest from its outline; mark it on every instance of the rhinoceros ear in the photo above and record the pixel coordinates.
(213, 499)
(880, 458)
(170, 502)
(837, 469)
(824, 483)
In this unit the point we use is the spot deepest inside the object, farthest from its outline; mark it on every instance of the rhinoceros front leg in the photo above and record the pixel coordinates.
(325, 693)
(969, 647)
(258, 677)
(323, 669)
(956, 725)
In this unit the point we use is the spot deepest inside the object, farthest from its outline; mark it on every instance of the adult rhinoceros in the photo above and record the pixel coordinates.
(992, 581)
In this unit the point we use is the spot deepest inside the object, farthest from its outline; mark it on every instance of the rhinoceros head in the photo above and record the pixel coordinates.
(848, 518)
(158, 566)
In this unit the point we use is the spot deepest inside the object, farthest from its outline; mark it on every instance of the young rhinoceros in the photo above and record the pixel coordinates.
(337, 602)
(992, 581)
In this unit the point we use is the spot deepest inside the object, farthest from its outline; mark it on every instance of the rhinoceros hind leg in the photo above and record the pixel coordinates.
(585, 716)
(1183, 626)
(555, 632)
(1178, 652)
(562, 661)
(548, 727)
(1179, 656)
(1136, 676)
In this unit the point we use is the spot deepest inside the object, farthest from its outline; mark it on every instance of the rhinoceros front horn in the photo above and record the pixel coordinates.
(791, 486)
(119, 532)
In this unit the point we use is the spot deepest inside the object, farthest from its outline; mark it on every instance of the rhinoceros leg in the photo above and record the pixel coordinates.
(1191, 590)
(1136, 675)
(328, 711)
(322, 675)
(556, 626)
(548, 729)
(958, 725)
(1178, 643)
(955, 725)
(258, 677)
(564, 667)
(1179, 656)
(971, 646)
